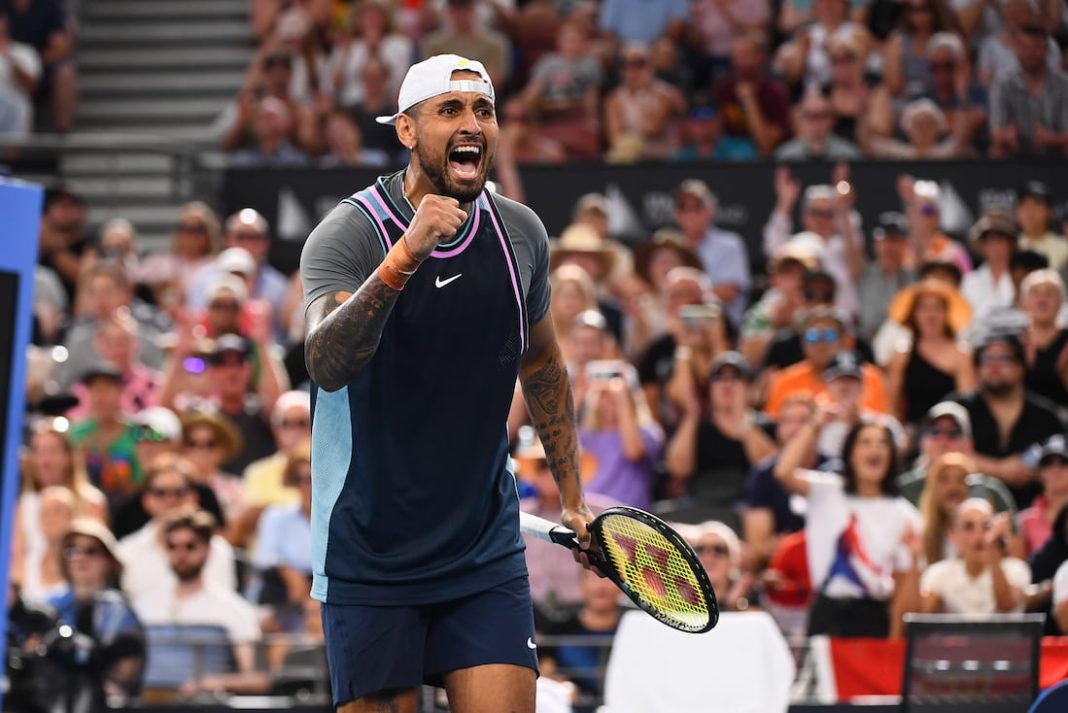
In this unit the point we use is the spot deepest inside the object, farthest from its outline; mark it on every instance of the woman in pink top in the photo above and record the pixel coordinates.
(1036, 522)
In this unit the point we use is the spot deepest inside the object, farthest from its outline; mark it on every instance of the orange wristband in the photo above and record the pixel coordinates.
(398, 266)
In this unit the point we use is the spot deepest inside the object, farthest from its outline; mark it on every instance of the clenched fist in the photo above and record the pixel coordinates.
(436, 220)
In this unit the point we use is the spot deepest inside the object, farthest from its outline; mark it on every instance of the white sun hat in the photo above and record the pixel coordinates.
(433, 77)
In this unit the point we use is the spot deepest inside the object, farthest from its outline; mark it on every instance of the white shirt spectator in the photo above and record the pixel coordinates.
(963, 594)
(146, 571)
(211, 606)
(984, 294)
(854, 544)
(832, 252)
(16, 106)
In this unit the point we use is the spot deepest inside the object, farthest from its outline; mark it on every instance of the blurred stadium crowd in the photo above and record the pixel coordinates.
(871, 423)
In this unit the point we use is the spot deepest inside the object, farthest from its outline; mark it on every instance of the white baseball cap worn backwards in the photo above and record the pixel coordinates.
(433, 77)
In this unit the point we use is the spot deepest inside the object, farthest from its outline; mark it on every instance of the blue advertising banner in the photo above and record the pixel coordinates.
(20, 209)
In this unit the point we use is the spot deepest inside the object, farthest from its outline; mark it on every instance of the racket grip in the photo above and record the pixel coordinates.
(543, 529)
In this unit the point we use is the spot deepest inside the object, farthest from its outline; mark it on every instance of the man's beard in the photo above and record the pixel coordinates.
(437, 172)
(187, 574)
(998, 390)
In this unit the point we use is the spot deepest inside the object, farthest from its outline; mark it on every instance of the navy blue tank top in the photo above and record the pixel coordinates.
(428, 509)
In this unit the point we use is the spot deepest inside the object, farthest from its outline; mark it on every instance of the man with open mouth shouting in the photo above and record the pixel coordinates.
(426, 296)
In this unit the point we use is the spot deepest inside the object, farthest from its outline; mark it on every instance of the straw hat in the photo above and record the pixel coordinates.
(90, 527)
(581, 239)
(958, 311)
(667, 238)
(995, 220)
(225, 431)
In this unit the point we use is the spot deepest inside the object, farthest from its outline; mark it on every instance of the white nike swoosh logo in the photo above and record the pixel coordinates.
(438, 282)
(531, 644)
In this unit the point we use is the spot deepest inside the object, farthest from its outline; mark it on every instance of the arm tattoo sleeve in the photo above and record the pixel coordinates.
(548, 395)
(343, 332)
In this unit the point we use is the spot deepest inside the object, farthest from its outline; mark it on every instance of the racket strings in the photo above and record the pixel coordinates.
(650, 565)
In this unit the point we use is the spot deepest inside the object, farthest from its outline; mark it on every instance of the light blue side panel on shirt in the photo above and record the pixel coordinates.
(331, 457)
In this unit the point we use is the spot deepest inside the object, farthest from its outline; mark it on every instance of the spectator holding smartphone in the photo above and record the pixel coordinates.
(619, 431)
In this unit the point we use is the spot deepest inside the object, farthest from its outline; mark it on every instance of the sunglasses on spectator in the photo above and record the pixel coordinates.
(144, 433)
(824, 213)
(191, 546)
(997, 359)
(247, 236)
(194, 228)
(815, 335)
(636, 62)
(168, 492)
(1053, 460)
(973, 525)
(818, 295)
(946, 65)
(689, 206)
(228, 359)
(845, 58)
(300, 423)
(72, 552)
(227, 305)
(944, 433)
(726, 375)
(202, 445)
(717, 549)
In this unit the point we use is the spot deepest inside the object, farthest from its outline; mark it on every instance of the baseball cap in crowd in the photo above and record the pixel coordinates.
(1055, 446)
(228, 344)
(891, 225)
(102, 370)
(433, 77)
(698, 189)
(996, 221)
(844, 363)
(731, 360)
(1034, 189)
(953, 410)
(1010, 340)
(236, 260)
(157, 423)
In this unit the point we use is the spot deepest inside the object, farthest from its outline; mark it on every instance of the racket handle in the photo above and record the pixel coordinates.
(547, 530)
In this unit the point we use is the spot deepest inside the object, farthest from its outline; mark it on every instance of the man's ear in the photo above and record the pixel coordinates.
(406, 131)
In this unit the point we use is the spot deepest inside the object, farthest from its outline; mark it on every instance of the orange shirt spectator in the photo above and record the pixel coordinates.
(803, 377)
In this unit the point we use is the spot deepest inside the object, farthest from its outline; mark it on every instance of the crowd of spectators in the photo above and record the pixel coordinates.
(630, 80)
(864, 428)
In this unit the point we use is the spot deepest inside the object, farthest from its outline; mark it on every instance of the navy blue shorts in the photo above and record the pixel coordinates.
(371, 648)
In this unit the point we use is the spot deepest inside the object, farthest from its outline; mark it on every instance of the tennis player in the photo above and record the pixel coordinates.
(426, 296)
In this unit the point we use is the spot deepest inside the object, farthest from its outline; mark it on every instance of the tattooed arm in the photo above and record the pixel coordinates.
(548, 394)
(344, 330)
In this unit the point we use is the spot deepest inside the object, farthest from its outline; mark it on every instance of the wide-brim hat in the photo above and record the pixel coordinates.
(665, 238)
(581, 239)
(90, 527)
(993, 221)
(224, 429)
(958, 311)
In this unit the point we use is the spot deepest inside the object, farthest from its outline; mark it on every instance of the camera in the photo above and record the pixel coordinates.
(698, 316)
(604, 369)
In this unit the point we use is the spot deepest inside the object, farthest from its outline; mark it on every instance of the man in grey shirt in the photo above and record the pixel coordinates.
(814, 139)
(1029, 108)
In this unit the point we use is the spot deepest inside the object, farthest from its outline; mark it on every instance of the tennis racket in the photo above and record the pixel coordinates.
(646, 559)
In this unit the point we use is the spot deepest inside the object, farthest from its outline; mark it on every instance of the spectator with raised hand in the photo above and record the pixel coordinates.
(563, 91)
(20, 72)
(754, 106)
(197, 237)
(1042, 296)
(713, 449)
(990, 287)
(1029, 106)
(920, 201)
(643, 108)
(934, 362)
(947, 429)
(953, 88)
(980, 579)
(770, 511)
(905, 63)
(927, 132)
(271, 74)
(885, 276)
(43, 25)
(722, 252)
(1036, 522)
(168, 489)
(187, 595)
(371, 33)
(779, 306)
(794, 14)
(859, 106)
(618, 430)
(1034, 208)
(823, 332)
(830, 223)
(805, 59)
(1006, 418)
(699, 335)
(863, 540)
(814, 137)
